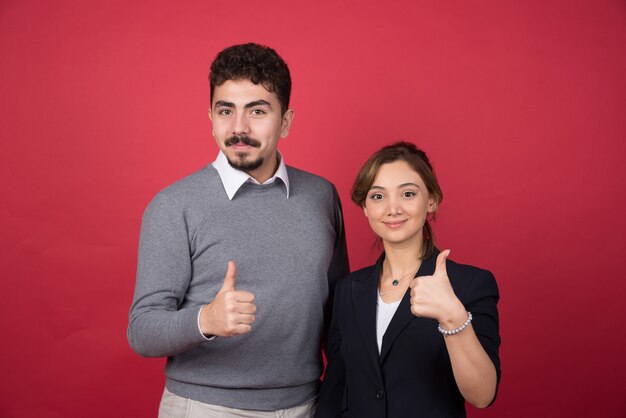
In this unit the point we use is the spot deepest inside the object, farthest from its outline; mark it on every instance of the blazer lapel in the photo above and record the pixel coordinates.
(364, 301)
(403, 315)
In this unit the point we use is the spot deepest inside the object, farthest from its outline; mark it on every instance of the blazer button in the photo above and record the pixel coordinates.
(380, 394)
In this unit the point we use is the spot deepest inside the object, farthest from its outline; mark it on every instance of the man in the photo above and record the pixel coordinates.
(237, 261)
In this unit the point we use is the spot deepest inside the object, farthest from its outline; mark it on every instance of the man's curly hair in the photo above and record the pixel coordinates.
(254, 62)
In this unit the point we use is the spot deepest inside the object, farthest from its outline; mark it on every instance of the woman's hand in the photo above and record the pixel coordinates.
(474, 373)
(433, 297)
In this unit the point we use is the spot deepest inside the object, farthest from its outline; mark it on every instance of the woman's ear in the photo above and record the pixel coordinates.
(432, 205)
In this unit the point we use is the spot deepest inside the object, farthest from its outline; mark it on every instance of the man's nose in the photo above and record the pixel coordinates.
(240, 124)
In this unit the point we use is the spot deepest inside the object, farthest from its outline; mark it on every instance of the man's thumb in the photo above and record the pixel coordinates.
(231, 275)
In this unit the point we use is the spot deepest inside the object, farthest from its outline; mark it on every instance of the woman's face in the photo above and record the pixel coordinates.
(397, 204)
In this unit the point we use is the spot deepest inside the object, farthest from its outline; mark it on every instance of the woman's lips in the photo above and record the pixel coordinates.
(394, 224)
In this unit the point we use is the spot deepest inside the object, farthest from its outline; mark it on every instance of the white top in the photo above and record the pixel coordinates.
(384, 313)
(233, 179)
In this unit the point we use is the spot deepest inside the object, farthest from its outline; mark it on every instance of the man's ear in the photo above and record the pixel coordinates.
(211, 119)
(286, 123)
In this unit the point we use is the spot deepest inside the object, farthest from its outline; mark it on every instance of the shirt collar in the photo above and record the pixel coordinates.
(233, 179)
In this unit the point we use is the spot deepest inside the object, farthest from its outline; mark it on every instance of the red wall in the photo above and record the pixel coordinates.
(520, 105)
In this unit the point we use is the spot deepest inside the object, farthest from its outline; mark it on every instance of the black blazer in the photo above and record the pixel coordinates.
(412, 376)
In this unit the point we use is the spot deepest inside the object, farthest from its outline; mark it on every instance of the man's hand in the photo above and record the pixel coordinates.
(231, 312)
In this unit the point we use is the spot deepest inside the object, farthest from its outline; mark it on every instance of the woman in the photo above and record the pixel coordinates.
(415, 335)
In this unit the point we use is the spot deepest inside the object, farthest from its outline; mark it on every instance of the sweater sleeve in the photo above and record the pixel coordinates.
(157, 327)
(339, 265)
(332, 392)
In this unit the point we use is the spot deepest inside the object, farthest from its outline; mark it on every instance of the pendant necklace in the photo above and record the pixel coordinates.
(395, 283)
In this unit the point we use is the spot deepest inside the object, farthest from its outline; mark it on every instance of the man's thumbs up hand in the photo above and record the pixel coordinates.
(231, 312)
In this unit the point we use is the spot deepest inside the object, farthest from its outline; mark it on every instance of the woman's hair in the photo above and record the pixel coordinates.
(417, 159)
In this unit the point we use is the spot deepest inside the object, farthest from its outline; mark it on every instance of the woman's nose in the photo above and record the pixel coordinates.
(394, 207)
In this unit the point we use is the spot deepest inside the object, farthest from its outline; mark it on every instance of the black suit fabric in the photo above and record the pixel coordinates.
(412, 377)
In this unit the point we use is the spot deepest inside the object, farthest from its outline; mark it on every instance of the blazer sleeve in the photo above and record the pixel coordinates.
(481, 299)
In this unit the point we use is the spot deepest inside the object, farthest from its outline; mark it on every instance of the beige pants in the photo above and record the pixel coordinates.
(174, 406)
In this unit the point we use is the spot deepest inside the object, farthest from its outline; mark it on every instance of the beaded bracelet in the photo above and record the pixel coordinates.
(446, 332)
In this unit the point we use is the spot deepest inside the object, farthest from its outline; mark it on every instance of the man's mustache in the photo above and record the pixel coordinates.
(243, 139)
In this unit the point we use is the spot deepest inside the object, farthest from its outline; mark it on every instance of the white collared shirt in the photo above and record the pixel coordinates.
(233, 179)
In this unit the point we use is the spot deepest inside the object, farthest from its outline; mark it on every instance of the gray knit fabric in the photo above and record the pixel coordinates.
(289, 252)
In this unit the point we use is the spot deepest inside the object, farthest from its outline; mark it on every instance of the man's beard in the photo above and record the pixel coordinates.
(241, 163)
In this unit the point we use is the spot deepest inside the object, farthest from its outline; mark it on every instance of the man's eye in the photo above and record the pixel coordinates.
(258, 112)
(224, 112)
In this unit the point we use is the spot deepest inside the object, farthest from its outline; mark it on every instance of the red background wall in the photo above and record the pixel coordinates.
(520, 105)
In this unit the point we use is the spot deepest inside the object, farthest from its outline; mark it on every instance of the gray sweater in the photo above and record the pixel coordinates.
(289, 253)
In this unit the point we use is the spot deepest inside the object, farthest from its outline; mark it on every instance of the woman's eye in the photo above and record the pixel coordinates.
(408, 194)
(376, 196)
